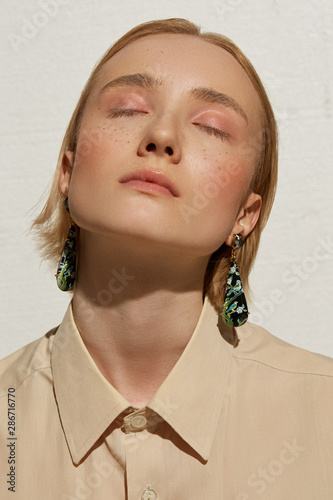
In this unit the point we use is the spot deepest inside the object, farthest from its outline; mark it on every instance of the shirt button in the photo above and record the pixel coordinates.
(149, 494)
(138, 422)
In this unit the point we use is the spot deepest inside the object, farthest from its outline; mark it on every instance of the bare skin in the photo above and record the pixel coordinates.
(143, 252)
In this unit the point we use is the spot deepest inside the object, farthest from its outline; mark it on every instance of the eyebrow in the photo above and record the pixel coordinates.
(143, 80)
(205, 94)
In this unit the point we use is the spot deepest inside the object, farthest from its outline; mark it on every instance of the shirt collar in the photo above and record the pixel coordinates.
(87, 403)
(190, 399)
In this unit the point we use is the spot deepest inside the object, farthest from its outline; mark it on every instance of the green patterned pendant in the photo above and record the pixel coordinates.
(234, 312)
(66, 270)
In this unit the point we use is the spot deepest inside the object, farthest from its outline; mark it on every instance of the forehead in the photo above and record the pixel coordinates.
(181, 62)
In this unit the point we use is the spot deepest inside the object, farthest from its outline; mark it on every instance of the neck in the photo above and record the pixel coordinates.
(136, 309)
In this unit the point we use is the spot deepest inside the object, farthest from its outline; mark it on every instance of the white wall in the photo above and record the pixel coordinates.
(47, 57)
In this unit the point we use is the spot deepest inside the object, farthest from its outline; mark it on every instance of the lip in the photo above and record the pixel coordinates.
(147, 179)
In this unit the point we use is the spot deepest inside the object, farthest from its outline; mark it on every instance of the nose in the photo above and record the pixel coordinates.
(161, 139)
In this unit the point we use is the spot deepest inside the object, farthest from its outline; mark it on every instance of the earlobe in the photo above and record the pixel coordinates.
(247, 218)
(66, 172)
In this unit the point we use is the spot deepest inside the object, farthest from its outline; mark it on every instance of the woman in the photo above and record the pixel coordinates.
(146, 390)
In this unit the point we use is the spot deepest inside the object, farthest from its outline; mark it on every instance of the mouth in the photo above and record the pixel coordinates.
(150, 181)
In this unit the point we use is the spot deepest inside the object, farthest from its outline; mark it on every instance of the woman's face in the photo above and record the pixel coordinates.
(167, 147)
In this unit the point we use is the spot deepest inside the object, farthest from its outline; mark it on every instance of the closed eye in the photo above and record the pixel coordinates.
(213, 131)
(114, 113)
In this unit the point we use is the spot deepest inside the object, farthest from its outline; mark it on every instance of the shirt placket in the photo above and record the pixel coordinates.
(140, 464)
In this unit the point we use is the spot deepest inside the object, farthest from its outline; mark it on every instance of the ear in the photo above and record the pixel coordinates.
(66, 172)
(247, 218)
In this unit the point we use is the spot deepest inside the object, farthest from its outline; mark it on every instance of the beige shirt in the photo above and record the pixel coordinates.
(229, 423)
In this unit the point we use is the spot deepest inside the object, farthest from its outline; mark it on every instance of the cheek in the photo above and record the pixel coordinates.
(96, 143)
(224, 180)
(99, 151)
(216, 196)
(98, 160)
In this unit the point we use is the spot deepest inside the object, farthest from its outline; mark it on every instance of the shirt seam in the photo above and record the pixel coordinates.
(23, 381)
(281, 369)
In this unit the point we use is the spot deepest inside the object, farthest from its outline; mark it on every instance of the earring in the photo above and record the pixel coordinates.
(67, 265)
(234, 311)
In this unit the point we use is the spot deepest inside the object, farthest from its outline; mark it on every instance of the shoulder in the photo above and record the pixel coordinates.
(18, 367)
(258, 345)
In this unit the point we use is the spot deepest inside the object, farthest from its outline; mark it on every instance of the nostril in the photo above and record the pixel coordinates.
(151, 147)
(169, 151)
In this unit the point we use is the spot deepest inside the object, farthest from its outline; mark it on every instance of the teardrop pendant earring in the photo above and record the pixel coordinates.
(234, 311)
(67, 265)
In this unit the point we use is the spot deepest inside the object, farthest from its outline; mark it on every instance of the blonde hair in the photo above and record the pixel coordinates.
(52, 224)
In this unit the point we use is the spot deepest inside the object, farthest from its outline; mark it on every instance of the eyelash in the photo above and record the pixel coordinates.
(114, 113)
(213, 131)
